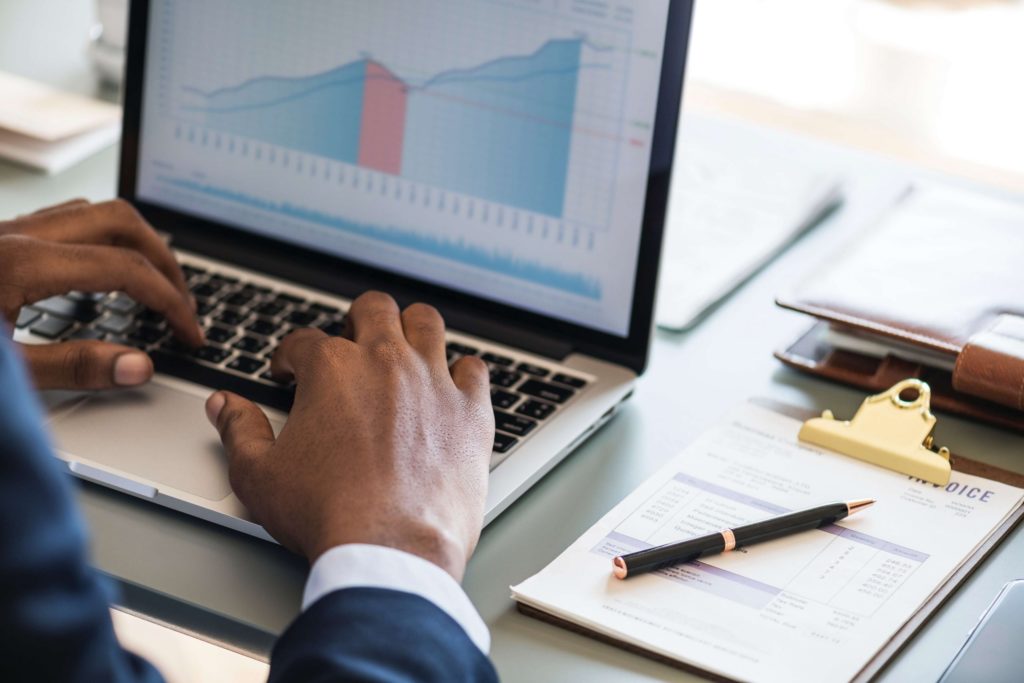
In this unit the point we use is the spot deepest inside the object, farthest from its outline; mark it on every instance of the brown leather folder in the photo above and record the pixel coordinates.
(943, 272)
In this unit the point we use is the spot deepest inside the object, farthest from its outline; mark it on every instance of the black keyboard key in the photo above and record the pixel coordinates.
(239, 299)
(256, 290)
(86, 334)
(26, 317)
(212, 354)
(503, 399)
(504, 378)
(548, 392)
(538, 410)
(534, 370)
(513, 424)
(503, 443)
(149, 315)
(148, 334)
(51, 327)
(574, 382)
(462, 349)
(205, 306)
(250, 344)
(302, 318)
(220, 335)
(206, 290)
(191, 271)
(84, 311)
(270, 309)
(187, 368)
(503, 361)
(231, 317)
(122, 303)
(116, 324)
(263, 327)
(175, 345)
(223, 280)
(325, 309)
(87, 312)
(247, 365)
(285, 299)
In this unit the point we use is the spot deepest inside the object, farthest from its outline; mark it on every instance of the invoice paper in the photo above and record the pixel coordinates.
(814, 606)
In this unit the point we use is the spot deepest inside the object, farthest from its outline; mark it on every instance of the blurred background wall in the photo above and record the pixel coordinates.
(935, 81)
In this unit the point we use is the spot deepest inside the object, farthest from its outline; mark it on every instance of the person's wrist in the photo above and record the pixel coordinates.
(435, 545)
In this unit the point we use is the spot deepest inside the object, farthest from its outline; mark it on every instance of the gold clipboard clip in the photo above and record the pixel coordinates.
(887, 431)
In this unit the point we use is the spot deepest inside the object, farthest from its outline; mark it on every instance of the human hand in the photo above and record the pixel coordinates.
(102, 247)
(384, 444)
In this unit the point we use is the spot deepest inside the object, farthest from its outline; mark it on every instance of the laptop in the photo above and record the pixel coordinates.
(505, 161)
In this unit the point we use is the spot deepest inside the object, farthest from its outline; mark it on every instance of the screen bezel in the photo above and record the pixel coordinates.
(472, 314)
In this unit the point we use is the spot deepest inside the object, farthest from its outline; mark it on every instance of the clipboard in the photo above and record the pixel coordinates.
(903, 636)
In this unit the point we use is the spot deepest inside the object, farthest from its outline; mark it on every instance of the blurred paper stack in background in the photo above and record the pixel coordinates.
(49, 129)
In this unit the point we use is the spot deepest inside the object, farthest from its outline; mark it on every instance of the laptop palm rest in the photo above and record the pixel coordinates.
(158, 433)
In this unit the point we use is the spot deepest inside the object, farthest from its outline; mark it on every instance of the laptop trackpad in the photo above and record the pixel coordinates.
(159, 433)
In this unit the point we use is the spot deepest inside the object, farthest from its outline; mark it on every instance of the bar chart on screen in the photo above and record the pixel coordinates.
(490, 142)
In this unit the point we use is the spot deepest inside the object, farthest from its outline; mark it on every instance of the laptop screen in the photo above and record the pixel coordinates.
(499, 148)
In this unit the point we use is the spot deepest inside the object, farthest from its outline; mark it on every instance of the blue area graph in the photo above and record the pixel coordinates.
(455, 250)
(501, 131)
(318, 115)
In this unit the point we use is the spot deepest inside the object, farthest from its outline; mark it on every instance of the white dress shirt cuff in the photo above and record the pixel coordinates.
(373, 566)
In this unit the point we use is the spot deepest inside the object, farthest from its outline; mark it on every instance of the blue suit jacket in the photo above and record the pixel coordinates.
(54, 623)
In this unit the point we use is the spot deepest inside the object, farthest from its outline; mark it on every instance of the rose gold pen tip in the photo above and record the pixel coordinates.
(858, 505)
(619, 568)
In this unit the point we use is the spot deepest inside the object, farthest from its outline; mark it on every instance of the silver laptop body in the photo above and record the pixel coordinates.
(298, 154)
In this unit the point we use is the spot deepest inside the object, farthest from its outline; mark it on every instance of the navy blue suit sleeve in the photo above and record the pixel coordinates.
(54, 620)
(375, 635)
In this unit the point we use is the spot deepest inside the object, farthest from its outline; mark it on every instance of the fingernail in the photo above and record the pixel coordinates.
(192, 302)
(132, 369)
(214, 405)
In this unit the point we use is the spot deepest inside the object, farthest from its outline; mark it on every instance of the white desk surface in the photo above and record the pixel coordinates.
(233, 586)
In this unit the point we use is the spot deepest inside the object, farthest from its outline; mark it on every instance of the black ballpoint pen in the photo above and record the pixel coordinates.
(729, 539)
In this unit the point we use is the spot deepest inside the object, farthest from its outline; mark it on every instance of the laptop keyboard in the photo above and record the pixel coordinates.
(244, 322)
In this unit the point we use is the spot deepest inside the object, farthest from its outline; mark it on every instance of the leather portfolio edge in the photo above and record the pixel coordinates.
(903, 635)
(820, 362)
(792, 300)
(862, 323)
